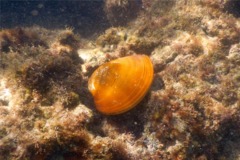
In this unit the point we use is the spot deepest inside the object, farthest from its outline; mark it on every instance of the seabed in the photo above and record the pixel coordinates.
(191, 111)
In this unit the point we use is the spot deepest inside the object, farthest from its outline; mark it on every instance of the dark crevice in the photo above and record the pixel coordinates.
(233, 7)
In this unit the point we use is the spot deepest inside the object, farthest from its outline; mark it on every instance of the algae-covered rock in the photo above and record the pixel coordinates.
(190, 112)
(119, 12)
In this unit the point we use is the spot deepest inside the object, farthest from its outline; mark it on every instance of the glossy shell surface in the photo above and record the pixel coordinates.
(119, 85)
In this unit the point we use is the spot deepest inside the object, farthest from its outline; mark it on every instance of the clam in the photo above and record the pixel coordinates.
(119, 85)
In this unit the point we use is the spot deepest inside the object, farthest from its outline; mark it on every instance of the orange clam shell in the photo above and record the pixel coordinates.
(119, 85)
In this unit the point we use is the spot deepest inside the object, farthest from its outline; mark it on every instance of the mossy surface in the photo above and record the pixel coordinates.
(190, 112)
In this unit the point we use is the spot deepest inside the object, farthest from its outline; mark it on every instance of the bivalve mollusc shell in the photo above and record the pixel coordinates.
(119, 85)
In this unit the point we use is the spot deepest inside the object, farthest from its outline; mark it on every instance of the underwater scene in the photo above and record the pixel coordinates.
(119, 79)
